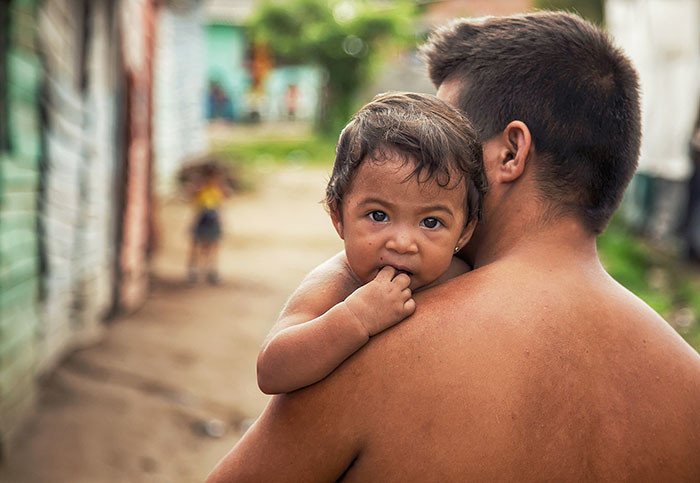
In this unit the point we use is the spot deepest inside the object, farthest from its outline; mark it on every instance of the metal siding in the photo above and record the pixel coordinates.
(60, 27)
(179, 127)
(79, 199)
(96, 238)
(66, 207)
(19, 256)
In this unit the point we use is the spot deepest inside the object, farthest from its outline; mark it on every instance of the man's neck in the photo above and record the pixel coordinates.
(532, 237)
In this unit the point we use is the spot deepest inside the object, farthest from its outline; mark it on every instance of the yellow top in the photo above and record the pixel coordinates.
(209, 197)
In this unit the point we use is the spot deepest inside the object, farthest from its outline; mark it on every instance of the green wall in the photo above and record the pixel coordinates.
(19, 191)
(226, 56)
(227, 64)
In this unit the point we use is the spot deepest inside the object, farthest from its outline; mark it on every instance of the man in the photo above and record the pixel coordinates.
(536, 365)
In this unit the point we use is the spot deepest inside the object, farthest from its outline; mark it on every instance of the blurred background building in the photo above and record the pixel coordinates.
(664, 43)
(244, 84)
(100, 102)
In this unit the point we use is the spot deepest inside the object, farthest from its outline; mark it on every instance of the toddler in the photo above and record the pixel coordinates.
(404, 196)
(208, 192)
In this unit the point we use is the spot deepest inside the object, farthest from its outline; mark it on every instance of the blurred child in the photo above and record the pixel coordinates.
(207, 192)
(405, 196)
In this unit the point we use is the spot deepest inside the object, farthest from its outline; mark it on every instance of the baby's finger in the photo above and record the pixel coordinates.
(409, 306)
(386, 274)
(402, 280)
(406, 293)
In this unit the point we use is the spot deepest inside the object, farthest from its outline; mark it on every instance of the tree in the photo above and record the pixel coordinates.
(343, 37)
(590, 9)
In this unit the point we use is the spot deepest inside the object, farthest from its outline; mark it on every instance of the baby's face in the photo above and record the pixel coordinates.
(387, 218)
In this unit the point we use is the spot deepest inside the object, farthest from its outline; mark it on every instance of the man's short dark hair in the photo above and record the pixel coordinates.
(563, 77)
(431, 134)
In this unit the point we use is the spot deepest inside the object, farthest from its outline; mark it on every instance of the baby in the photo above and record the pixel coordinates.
(404, 196)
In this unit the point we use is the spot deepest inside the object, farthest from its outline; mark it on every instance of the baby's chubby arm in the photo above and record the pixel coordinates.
(328, 318)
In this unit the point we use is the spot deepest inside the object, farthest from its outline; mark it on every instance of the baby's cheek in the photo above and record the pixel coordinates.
(441, 266)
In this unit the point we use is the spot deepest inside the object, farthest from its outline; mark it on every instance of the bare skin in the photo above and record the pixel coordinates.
(400, 236)
(204, 255)
(503, 393)
(536, 365)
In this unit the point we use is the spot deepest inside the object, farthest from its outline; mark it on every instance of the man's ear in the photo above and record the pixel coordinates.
(516, 145)
(337, 219)
(466, 234)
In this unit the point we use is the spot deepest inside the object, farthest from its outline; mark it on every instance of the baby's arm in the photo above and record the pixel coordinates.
(327, 319)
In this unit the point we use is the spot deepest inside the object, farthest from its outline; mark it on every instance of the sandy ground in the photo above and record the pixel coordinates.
(133, 407)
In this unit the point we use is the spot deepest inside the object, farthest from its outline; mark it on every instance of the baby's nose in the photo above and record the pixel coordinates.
(402, 242)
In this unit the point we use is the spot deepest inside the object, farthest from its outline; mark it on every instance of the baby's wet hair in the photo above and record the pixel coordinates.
(436, 138)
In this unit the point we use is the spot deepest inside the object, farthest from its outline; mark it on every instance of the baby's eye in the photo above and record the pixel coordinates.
(431, 222)
(378, 216)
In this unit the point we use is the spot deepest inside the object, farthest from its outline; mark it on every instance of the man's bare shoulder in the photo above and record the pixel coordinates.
(313, 434)
(537, 325)
(323, 431)
(543, 365)
(503, 377)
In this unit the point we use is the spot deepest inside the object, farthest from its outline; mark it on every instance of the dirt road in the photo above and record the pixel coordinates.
(132, 408)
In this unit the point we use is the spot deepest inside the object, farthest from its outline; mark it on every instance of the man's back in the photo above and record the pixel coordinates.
(555, 374)
(538, 366)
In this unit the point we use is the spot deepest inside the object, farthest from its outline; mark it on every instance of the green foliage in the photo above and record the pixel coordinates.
(345, 38)
(592, 10)
(303, 151)
(657, 278)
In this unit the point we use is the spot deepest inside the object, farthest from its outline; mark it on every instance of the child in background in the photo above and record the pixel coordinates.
(405, 195)
(208, 193)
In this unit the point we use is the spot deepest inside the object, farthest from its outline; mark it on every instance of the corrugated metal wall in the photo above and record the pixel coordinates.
(97, 238)
(19, 186)
(62, 33)
(76, 169)
(179, 125)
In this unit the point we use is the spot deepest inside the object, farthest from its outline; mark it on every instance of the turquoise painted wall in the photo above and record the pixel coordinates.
(19, 246)
(226, 56)
(227, 47)
(308, 81)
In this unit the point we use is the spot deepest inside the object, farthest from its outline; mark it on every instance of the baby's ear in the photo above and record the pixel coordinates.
(337, 219)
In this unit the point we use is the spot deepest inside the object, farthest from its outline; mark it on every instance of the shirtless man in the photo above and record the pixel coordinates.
(536, 365)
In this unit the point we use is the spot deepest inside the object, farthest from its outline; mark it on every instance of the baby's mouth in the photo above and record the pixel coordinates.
(402, 270)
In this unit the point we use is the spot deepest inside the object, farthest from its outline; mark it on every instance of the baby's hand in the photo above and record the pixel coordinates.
(383, 302)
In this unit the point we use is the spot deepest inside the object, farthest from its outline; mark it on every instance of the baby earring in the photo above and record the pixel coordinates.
(456, 248)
